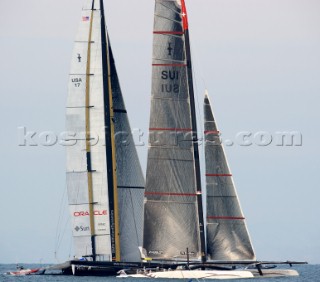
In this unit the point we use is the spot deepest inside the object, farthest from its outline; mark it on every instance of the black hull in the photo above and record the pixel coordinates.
(90, 268)
(98, 268)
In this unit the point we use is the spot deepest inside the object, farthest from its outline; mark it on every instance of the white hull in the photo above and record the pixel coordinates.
(196, 274)
(275, 273)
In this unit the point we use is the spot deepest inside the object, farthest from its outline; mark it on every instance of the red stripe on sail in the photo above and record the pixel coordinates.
(170, 129)
(226, 217)
(211, 132)
(184, 15)
(169, 65)
(170, 194)
(218, 174)
(169, 32)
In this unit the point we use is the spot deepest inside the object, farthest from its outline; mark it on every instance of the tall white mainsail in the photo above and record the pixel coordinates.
(227, 235)
(173, 209)
(104, 177)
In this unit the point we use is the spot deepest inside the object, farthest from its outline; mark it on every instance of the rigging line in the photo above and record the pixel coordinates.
(59, 218)
(134, 218)
(61, 237)
(70, 244)
(194, 73)
(64, 232)
(198, 73)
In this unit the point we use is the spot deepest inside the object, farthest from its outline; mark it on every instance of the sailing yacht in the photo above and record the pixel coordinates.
(174, 218)
(175, 226)
(105, 182)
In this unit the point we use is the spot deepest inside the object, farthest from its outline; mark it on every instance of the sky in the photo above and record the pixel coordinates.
(259, 60)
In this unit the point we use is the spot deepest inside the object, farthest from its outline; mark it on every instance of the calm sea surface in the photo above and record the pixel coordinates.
(308, 273)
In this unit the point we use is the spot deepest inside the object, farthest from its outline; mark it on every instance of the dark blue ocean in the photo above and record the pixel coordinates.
(308, 273)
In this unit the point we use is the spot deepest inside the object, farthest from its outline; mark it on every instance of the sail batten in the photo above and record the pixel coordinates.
(227, 235)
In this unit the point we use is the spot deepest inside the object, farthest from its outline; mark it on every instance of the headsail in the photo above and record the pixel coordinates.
(173, 188)
(94, 159)
(129, 175)
(227, 235)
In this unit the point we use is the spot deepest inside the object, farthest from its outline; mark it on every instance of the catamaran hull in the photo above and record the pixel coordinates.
(271, 273)
(194, 274)
(151, 269)
(214, 274)
(89, 268)
(97, 269)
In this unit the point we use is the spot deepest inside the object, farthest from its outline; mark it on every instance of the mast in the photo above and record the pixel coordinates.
(194, 131)
(110, 142)
(88, 138)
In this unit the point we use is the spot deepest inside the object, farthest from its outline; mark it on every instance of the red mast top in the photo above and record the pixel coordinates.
(184, 15)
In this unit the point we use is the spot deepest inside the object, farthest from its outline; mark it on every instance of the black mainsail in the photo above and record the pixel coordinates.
(227, 235)
(173, 208)
(104, 178)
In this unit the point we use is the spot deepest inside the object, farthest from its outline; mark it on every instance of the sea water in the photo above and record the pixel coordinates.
(308, 273)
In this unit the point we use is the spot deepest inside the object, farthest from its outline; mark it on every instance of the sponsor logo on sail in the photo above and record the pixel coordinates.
(102, 226)
(81, 228)
(184, 253)
(156, 252)
(87, 213)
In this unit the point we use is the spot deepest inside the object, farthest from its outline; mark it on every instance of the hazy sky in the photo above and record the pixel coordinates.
(260, 61)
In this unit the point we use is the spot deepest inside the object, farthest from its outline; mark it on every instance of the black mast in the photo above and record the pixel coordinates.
(194, 134)
(108, 136)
